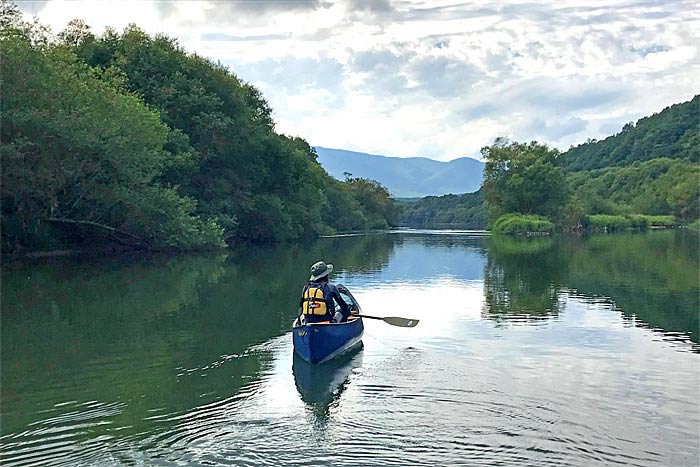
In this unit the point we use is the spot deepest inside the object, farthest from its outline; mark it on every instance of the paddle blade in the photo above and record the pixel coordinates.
(402, 322)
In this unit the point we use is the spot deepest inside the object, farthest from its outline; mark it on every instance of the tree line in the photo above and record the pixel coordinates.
(646, 175)
(125, 138)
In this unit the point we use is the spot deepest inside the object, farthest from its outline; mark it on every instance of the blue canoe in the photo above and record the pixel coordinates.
(320, 342)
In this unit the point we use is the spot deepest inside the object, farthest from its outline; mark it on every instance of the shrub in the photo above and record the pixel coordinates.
(639, 221)
(662, 221)
(608, 223)
(521, 224)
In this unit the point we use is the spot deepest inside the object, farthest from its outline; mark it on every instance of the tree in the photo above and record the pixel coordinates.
(80, 154)
(76, 33)
(523, 178)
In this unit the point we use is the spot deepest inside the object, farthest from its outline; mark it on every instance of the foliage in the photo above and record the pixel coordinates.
(126, 137)
(660, 221)
(523, 178)
(450, 210)
(608, 223)
(376, 202)
(258, 184)
(672, 133)
(656, 187)
(76, 151)
(519, 224)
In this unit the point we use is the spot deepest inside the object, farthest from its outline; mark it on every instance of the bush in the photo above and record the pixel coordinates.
(643, 222)
(639, 221)
(521, 224)
(662, 221)
(608, 223)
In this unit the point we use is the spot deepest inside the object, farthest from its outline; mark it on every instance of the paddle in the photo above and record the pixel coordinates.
(394, 320)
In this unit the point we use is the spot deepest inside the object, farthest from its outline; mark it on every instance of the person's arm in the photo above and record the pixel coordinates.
(301, 300)
(345, 309)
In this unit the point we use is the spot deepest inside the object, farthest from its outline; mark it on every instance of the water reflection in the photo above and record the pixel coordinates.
(651, 279)
(149, 336)
(188, 360)
(523, 278)
(321, 386)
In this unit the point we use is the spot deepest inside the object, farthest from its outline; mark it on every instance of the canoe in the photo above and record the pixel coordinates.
(320, 342)
(323, 341)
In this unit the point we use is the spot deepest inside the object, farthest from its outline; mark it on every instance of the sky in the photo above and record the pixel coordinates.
(433, 78)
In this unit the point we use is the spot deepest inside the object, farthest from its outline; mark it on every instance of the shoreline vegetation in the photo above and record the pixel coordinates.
(645, 177)
(125, 141)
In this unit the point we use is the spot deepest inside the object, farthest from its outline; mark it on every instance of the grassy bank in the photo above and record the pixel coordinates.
(521, 224)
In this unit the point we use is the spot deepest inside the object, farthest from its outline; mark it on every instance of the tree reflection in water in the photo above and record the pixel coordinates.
(522, 279)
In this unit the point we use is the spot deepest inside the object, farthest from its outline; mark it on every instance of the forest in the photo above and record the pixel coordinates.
(127, 140)
(645, 176)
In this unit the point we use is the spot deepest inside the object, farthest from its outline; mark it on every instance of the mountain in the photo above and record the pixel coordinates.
(672, 133)
(405, 177)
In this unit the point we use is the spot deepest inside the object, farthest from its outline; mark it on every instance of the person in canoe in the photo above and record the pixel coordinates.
(318, 296)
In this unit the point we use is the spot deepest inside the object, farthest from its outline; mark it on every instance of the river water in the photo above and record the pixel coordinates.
(545, 351)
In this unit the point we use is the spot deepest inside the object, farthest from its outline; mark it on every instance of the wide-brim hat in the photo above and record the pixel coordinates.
(319, 270)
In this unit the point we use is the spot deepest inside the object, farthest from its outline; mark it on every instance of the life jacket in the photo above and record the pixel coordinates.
(314, 301)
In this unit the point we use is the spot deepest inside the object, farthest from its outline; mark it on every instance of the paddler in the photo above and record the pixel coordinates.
(318, 296)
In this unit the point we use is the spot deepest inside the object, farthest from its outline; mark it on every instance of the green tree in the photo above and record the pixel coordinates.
(376, 200)
(81, 158)
(523, 178)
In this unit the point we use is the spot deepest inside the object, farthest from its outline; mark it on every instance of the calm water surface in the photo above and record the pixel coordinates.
(529, 352)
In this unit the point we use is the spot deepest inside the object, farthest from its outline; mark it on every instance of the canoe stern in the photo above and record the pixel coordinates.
(319, 342)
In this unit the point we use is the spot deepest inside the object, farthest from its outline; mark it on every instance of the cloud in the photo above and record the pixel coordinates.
(33, 7)
(294, 77)
(228, 37)
(553, 129)
(245, 10)
(437, 78)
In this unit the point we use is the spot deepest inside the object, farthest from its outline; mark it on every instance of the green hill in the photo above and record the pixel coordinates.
(649, 168)
(464, 211)
(672, 133)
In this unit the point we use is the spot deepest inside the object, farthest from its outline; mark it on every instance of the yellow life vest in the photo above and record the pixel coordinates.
(314, 302)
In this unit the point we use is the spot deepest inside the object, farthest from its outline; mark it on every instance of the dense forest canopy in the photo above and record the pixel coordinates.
(127, 138)
(464, 211)
(673, 133)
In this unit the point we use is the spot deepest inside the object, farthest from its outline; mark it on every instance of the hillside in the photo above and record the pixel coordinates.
(649, 168)
(406, 177)
(465, 211)
(672, 133)
(127, 141)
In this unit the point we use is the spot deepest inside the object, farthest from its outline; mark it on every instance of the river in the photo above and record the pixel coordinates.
(544, 351)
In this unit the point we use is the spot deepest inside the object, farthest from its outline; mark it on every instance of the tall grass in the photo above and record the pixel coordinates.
(608, 223)
(612, 223)
(521, 224)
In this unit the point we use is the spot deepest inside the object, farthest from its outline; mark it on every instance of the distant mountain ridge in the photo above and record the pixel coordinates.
(405, 177)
